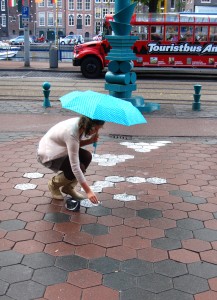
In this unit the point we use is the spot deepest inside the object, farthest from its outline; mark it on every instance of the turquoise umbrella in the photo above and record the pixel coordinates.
(102, 107)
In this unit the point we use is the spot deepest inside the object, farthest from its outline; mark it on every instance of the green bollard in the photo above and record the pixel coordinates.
(46, 90)
(197, 95)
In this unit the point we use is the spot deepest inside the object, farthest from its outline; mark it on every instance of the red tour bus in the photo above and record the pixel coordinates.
(164, 40)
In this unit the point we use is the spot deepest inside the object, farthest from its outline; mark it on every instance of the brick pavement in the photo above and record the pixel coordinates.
(154, 237)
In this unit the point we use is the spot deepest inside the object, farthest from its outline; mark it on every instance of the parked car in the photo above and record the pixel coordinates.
(19, 40)
(72, 39)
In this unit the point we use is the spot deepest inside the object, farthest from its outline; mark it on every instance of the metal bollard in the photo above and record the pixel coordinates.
(197, 95)
(46, 90)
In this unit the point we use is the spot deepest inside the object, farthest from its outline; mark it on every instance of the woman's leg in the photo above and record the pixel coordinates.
(85, 158)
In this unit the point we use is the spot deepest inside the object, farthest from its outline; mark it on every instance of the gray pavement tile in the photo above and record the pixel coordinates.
(137, 294)
(26, 290)
(203, 269)
(99, 211)
(178, 233)
(174, 295)
(57, 217)
(49, 275)
(149, 213)
(155, 283)
(119, 281)
(190, 224)
(137, 267)
(3, 287)
(11, 225)
(104, 265)
(166, 243)
(194, 200)
(71, 263)
(15, 273)
(170, 268)
(38, 260)
(191, 284)
(10, 257)
(180, 193)
(206, 234)
(95, 229)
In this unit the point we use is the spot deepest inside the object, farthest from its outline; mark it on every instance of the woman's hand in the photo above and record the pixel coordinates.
(92, 197)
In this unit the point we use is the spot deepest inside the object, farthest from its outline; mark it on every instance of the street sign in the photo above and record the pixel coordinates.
(25, 12)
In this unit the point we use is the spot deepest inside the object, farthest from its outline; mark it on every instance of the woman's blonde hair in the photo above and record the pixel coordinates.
(87, 124)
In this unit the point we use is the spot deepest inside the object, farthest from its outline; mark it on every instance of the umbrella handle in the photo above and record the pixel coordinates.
(94, 145)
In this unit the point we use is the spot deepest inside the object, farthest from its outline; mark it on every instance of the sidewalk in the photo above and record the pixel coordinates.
(154, 236)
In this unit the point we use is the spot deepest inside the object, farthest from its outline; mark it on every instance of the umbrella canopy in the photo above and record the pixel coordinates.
(102, 107)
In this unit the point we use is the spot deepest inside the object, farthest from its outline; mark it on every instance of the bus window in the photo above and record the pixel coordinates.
(156, 33)
(141, 32)
(201, 33)
(213, 33)
(186, 33)
(172, 33)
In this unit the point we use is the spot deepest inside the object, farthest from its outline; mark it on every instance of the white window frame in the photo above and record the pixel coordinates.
(50, 16)
(3, 5)
(41, 4)
(71, 5)
(87, 4)
(73, 18)
(41, 18)
(87, 20)
(79, 5)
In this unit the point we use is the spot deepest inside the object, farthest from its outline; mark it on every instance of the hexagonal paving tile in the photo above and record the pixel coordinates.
(137, 294)
(99, 211)
(11, 225)
(206, 234)
(174, 295)
(3, 287)
(170, 268)
(95, 229)
(178, 233)
(190, 224)
(166, 243)
(104, 265)
(203, 269)
(137, 267)
(57, 217)
(71, 263)
(10, 257)
(119, 281)
(149, 213)
(15, 273)
(191, 284)
(26, 290)
(38, 260)
(155, 283)
(49, 275)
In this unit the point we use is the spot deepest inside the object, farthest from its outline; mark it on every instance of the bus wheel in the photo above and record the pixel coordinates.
(91, 67)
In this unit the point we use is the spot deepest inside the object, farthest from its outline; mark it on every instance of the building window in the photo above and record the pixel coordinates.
(3, 5)
(97, 13)
(87, 5)
(59, 3)
(205, 1)
(79, 4)
(79, 21)
(60, 19)
(49, 3)
(71, 20)
(41, 4)
(104, 12)
(87, 20)
(41, 19)
(71, 4)
(97, 1)
(50, 19)
(3, 23)
(172, 6)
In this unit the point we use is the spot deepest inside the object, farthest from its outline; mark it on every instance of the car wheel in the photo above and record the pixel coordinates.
(91, 67)
(62, 43)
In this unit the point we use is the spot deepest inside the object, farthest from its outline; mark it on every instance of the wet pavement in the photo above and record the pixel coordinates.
(153, 237)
